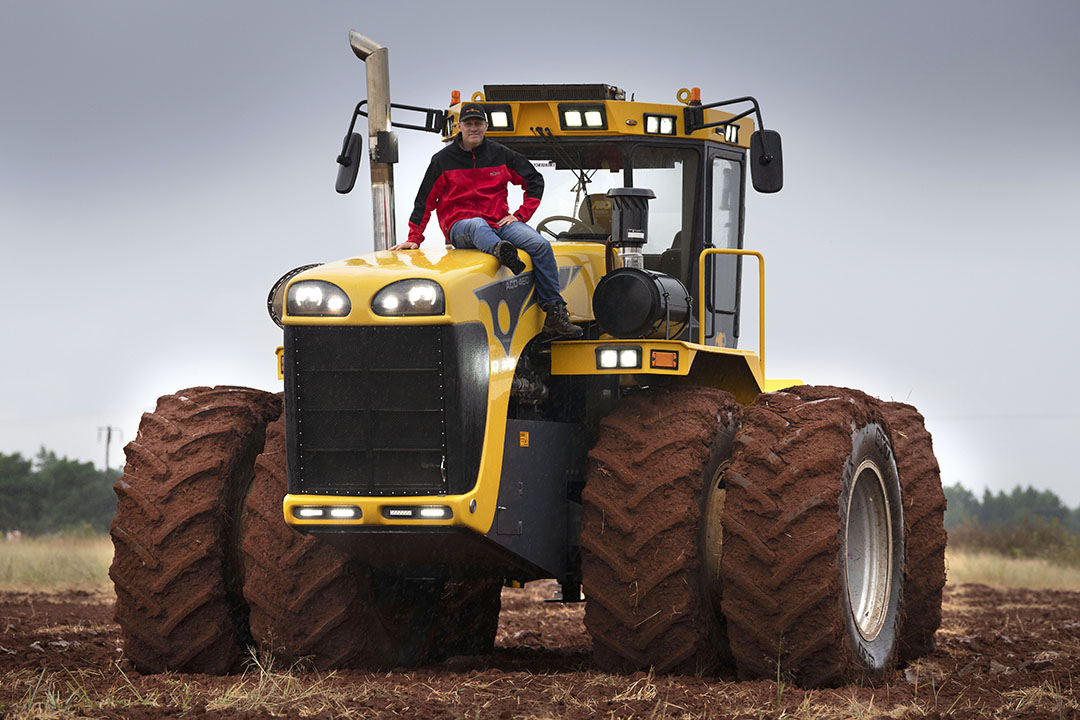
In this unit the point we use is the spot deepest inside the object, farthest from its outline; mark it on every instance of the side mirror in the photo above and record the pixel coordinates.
(349, 160)
(766, 161)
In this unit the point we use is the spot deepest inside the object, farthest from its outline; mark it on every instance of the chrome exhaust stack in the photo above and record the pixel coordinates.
(382, 143)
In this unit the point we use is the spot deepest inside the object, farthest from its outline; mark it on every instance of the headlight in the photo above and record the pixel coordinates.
(275, 302)
(410, 297)
(317, 297)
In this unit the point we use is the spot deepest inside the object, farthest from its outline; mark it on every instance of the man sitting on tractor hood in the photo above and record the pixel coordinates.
(466, 184)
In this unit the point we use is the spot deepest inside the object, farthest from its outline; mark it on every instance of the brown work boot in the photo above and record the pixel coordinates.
(557, 323)
(508, 256)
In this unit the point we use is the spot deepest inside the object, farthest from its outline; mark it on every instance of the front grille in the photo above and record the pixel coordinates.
(578, 92)
(385, 411)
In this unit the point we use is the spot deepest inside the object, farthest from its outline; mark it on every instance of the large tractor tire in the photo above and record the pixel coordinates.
(175, 566)
(305, 596)
(312, 603)
(924, 528)
(813, 557)
(653, 476)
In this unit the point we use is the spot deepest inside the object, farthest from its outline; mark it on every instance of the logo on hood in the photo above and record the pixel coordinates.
(516, 292)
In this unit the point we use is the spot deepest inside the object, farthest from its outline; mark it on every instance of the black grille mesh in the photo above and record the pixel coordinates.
(367, 409)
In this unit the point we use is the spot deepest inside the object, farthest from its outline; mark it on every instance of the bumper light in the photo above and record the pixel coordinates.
(410, 297)
(337, 512)
(317, 298)
(612, 358)
(425, 512)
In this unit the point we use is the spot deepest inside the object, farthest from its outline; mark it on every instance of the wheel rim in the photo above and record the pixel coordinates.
(713, 540)
(868, 550)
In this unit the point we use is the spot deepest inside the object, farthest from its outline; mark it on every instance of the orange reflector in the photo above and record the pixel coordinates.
(664, 360)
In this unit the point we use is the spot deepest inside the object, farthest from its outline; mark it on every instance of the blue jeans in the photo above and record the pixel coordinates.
(476, 233)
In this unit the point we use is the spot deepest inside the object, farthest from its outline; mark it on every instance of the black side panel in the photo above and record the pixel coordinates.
(366, 409)
(539, 461)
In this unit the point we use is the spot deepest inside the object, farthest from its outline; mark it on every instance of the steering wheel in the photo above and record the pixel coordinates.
(576, 226)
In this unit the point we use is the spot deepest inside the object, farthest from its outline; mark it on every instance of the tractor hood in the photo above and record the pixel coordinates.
(474, 286)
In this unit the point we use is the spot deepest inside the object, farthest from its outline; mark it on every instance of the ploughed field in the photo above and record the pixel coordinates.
(1000, 654)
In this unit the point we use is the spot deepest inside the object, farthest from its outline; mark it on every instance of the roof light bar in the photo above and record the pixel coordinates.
(582, 117)
(659, 124)
(730, 133)
(500, 117)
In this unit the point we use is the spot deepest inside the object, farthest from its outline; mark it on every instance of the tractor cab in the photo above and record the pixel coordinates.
(697, 204)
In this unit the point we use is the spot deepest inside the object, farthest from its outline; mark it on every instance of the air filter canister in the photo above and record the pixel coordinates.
(634, 303)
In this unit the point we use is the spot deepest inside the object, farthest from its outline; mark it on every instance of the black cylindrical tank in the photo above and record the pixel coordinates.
(633, 303)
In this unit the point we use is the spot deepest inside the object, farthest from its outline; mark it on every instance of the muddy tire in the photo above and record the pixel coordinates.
(813, 539)
(648, 602)
(174, 567)
(924, 528)
(304, 595)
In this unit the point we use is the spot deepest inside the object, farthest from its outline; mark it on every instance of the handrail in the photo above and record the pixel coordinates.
(761, 296)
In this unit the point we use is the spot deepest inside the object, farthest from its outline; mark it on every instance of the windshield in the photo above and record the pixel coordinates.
(576, 180)
(578, 175)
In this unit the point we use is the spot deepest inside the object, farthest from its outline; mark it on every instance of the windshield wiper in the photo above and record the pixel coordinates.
(583, 176)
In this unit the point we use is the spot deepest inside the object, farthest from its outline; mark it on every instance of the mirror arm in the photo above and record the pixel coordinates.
(434, 121)
(691, 114)
(343, 158)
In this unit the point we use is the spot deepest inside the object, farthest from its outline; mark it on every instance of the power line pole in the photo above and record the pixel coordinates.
(108, 430)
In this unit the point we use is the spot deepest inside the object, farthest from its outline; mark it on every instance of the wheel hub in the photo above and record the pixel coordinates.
(868, 550)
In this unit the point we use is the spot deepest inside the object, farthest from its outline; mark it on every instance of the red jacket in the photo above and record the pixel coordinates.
(461, 184)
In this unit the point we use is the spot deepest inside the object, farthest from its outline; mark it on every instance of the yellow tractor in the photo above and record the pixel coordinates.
(433, 446)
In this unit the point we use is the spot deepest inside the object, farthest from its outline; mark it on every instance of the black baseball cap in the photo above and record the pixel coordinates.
(472, 110)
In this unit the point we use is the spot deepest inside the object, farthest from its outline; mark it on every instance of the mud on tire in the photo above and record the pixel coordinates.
(178, 591)
(924, 530)
(641, 530)
(313, 603)
(304, 595)
(805, 460)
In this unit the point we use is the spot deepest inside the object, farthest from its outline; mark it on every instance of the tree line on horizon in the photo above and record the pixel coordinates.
(1016, 507)
(1022, 523)
(50, 494)
(47, 494)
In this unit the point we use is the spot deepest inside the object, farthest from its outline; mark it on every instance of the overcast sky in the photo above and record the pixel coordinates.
(162, 164)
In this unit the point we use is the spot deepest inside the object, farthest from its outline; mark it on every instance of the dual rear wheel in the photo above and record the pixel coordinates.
(789, 556)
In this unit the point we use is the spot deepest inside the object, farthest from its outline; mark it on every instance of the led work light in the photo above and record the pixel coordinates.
(612, 358)
(336, 512)
(582, 117)
(659, 124)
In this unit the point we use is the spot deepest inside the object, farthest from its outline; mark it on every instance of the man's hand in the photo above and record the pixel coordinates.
(407, 245)
(506, 221)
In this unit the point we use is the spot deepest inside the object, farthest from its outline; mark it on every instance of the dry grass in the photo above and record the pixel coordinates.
(51, 562)
(1056, 698)
(38, 564)
(261, 688)
(1006, 572)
